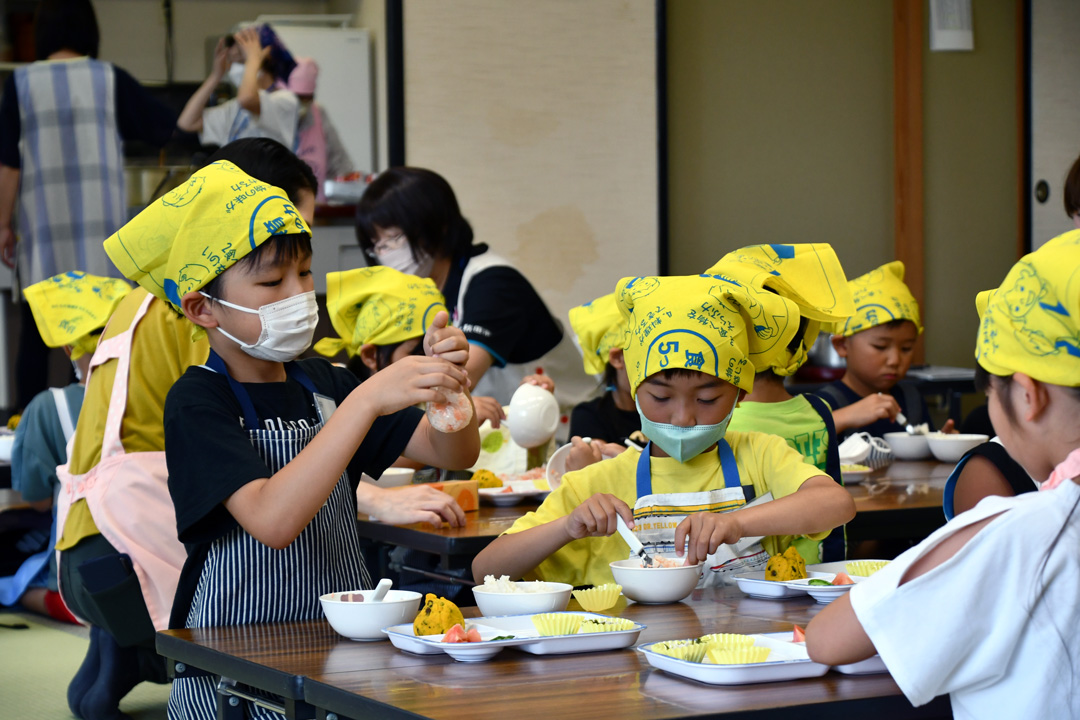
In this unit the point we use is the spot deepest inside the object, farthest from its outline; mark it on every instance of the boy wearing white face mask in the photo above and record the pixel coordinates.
(261, 108)
(687, 356)
(263, 450)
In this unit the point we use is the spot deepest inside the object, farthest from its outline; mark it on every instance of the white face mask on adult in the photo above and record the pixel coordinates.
(288, 327)
(402, 259)
(235, 74)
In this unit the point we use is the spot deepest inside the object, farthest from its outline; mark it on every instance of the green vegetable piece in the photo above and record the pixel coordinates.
(503, 637)
(819, 581)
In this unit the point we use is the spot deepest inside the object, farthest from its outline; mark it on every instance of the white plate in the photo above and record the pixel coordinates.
(788, 661)
(499, 497)
(821, 593)
(869, 666)
(755, 585)
(526, 637)
(831, 568)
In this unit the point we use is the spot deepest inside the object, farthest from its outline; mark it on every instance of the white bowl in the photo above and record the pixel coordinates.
(533, 416)
(908, 447)
(950, 448)
(553, 599)
(392, 477)
(655, 586)
(556, 465)
(365, 620)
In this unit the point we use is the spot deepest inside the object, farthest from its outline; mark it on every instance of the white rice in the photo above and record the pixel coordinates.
(505, 585)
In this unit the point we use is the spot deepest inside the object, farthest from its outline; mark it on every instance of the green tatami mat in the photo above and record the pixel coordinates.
(37, 664)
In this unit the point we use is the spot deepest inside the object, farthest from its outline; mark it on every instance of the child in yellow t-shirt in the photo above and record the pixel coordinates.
(688, 359)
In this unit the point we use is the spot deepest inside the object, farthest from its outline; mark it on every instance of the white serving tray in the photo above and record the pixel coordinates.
(526, 637)
(787, 661)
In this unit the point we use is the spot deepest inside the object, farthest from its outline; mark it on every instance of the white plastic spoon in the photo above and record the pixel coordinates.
(381, 589)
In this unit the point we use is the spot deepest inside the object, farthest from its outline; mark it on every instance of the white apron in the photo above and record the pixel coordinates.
(657, 515)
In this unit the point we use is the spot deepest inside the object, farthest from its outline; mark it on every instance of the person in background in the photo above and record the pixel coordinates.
(1071, 194)
(694, 481)
(69, 310)
(810, 276)
(63, 122)
(257, 67)
(409, 219)
(317, 142)
(986, 608)
(877, 342)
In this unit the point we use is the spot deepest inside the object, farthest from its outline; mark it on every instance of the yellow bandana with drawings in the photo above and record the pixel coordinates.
(706, 323)
(70, 306)
(1031, 324)
(377, 305)
(880, 297)
(192, 234)
(599, 326)
(809, 275)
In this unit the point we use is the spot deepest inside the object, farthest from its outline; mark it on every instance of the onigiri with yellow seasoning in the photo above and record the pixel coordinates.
(487, 479)
(787, 566)
(437, 616)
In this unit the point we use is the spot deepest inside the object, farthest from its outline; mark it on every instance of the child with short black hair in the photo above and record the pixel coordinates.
(264, 451)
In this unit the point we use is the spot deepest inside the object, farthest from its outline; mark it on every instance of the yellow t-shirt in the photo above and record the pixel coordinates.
(765, 462)
(160, 353)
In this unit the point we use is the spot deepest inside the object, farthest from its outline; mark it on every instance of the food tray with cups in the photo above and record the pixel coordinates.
(787, 660)
(526, 637)
(755, 585)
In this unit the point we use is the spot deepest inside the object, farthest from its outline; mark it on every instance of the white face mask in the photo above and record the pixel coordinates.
(402, 259)
(236, 74)
(287, 327)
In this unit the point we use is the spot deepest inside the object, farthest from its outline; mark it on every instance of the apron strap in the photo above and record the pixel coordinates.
(118, 347)
(727, 465)
(251, 418)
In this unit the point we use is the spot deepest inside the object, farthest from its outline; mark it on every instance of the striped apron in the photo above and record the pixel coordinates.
(245, 582)
(657, 515)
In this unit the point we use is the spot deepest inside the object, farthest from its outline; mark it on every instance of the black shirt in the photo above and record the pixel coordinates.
(139, 116)
(600, 419)
(210, 456)
(503, 313)
(839, 395)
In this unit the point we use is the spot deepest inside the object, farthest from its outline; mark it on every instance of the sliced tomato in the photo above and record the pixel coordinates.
(473, 635)
(799, 635)
(842, 579)
(456, 634)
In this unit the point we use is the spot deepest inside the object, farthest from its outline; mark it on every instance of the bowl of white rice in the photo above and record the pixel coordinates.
(503, 596)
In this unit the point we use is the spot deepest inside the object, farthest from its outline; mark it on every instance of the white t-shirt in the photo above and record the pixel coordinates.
(967, 627)
(279, 112)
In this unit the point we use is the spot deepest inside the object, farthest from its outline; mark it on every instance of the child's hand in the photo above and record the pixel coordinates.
(585, 452)
(411, 504)
(444, 342)
(706, 532)
(411, 381)
(596, 517)
(248, 40)
(540, 381)
(488, 408)
(871, 409)
(950, 427)
(221, 60)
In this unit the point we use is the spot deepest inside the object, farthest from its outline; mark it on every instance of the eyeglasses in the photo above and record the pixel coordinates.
(387, 244)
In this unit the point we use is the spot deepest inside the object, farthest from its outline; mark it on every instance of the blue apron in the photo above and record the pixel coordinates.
(657, 515)
(245, 582)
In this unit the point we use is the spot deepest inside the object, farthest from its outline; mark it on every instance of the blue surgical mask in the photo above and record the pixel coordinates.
(683, 443)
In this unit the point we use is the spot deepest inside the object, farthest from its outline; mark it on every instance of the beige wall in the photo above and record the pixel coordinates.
(780, 128)
(971, 176)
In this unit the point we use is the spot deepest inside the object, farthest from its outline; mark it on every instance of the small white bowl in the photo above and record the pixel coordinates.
(533, 416)
(392, 477)
(950, 448)
(553, 599)
(655, 586)
(908, 447)
(365, 620)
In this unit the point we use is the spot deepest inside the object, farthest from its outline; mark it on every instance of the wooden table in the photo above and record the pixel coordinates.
(328, 675)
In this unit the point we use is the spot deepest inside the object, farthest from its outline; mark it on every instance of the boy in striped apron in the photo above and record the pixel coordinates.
(689, 493)
(263, 450)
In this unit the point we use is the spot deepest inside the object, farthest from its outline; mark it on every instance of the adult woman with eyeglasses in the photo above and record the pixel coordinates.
(409, 219)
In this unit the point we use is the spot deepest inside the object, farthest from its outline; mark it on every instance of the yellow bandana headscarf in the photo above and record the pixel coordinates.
(809, 275)
(880, 296)
(599, 326)
(377, 305)
(1031, 324)
(70, 306)
(194, 233)
(707, 323)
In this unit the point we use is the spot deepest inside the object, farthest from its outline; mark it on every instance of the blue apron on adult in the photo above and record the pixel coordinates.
(71, 186)
(244, 582)
(657, 515)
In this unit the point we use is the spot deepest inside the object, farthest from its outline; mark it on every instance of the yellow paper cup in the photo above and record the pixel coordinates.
(550, 624)
(595, 625)
(727, 640)
(599, 598)
(865, 568)
(689, 650)
(736, 656)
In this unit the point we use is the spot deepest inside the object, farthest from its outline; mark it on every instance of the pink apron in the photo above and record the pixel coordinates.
(128, 494)
(311, 148)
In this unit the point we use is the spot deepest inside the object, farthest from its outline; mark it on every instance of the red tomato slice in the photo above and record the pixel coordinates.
(799, 635)
(473, 635)
(456, 634)
(842, 579)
